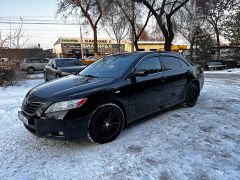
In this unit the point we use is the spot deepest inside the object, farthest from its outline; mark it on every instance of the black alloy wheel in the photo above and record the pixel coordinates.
(192, 95)
(106, 123)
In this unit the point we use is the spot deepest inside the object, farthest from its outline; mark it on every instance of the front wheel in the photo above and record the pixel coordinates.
(57, 76)
(45, 76)
(106, 123)
(192, 95)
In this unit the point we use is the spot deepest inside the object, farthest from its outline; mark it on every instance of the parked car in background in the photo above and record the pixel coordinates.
(89, 60)
(33, 64)
(110, 93)
(57, 68)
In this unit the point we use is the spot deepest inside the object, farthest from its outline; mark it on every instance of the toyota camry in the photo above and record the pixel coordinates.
(109, 94)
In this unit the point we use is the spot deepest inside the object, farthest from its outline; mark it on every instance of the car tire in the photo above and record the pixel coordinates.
(45, 76)
(105, 123)
(30, 70)
(57, 76)
(192, 94)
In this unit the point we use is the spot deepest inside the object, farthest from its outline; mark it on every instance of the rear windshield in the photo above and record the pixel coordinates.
(67, 62)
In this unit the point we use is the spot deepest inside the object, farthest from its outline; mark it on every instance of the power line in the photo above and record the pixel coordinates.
(39, 23)
(45, 30)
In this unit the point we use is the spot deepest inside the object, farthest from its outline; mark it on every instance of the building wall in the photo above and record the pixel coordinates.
(64, 46)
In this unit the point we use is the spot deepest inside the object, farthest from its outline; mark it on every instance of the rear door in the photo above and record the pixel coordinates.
(177, 73)
(36, 64)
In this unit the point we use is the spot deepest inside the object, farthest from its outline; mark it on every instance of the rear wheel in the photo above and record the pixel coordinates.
(106, 123)
(192, 95)
(30, 70)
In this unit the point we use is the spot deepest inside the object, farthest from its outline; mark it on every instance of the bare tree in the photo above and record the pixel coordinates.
(232, 28)
(188, 26)
(14, 39)
(163, 11)
(116, 25)
(3, 40)
(156, 34)
(18, 38)
(216, 12)
(134, 13)
(92, 10)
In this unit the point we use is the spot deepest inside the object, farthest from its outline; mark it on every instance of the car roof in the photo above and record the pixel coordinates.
(141, 54)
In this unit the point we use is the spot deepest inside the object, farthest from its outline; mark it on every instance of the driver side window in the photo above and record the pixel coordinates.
(150, 65)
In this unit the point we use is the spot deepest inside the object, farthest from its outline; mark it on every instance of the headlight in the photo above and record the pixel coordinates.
(66, 105)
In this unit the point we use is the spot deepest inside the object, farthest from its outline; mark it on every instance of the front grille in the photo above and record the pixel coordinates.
(30, 108)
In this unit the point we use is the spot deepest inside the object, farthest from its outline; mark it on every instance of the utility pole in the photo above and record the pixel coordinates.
(132, 33)
(81, 41)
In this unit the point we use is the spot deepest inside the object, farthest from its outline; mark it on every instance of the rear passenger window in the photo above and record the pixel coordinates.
(170, 63)
(183, 63)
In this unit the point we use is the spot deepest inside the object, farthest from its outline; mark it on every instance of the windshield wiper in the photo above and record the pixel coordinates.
(91, 76)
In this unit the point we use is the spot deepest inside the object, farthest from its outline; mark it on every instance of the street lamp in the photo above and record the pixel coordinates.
(81, 41)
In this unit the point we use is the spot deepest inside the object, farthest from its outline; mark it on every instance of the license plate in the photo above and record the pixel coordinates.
(22, 118)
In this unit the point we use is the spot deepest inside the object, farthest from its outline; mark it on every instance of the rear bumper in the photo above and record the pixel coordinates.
(69, 129)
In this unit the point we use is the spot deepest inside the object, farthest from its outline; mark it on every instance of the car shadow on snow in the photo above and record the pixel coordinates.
(148, 118)
(155, 115)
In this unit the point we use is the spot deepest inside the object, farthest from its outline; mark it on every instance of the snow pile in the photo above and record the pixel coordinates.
(182, 143)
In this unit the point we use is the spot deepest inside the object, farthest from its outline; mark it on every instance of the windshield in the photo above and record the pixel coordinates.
(110, 67)
(67, 62)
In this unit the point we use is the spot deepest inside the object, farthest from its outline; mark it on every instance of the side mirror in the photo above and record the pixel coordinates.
(54, 67)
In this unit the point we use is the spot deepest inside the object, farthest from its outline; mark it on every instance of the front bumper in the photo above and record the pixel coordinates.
(68, 129)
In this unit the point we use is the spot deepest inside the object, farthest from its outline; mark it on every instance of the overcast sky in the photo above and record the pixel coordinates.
(37, 11)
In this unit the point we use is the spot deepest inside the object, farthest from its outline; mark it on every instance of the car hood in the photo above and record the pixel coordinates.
(69, 87)
(72, 69)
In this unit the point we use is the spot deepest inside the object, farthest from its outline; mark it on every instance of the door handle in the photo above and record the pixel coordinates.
(163, 79)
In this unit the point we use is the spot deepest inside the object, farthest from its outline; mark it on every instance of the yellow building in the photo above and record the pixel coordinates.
(155, 46)
(67, 47)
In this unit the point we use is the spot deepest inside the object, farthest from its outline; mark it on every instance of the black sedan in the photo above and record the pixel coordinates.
(57, 68)
(107, 95)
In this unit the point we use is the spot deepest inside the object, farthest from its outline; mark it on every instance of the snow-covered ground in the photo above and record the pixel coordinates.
(182, 143)
(226, 71)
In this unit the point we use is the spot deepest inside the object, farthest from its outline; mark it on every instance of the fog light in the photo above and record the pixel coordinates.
(60, 133)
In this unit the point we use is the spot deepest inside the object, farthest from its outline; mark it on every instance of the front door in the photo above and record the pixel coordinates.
(147, 92)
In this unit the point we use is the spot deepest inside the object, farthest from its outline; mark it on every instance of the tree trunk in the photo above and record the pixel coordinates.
(167, 33)
(136, 45)
(218, 43)
(119, 44)
(191, 50)
(95, 46)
